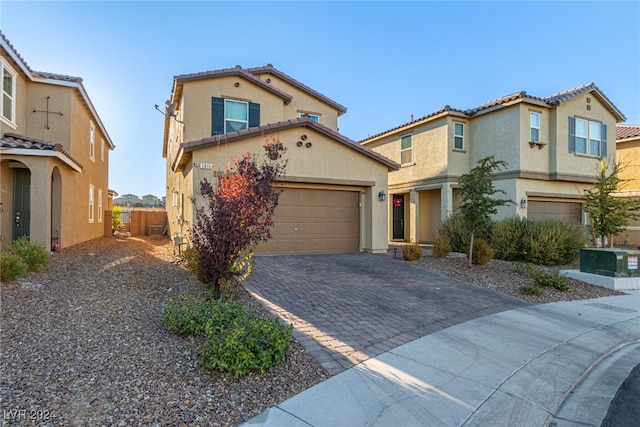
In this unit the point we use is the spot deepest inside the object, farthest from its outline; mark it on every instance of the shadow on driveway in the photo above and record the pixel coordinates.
(349, 307)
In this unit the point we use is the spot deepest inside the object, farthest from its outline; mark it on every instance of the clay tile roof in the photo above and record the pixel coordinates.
(500, 101)
(627, 131)
(54, 76)
(13, 140)
(189, 146)
(270, 69)
(235, 71)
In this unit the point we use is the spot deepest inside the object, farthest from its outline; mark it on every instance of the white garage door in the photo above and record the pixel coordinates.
(313, 221)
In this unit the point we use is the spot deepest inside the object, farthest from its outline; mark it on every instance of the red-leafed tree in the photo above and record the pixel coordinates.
(237, 214)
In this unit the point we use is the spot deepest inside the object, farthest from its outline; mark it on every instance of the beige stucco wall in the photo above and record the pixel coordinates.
(71, 129)
(628, 153)
(326, 164)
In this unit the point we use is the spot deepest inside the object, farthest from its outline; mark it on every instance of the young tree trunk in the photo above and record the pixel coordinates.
(471, 251)
(593, 234)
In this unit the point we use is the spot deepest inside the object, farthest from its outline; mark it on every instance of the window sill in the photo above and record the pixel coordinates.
(459, 150)
(406, 165)
(8, 123)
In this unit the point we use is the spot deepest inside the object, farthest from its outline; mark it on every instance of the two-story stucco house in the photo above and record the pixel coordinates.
(54, 157)
(628, 153)
(334, 190)
(552, 145)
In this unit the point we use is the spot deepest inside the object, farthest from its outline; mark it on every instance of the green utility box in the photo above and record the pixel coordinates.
(609, 262)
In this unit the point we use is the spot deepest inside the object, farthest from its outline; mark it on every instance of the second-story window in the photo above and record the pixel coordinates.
(406, 149)
(228, 115)
(458, 136)
(92, 141)
(8, 106)
(587, 137)
(102, 150)
(534, 119)
(313, 117)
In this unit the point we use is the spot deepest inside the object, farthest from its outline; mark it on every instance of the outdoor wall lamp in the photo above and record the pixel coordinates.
(524, 203)
(382, 196)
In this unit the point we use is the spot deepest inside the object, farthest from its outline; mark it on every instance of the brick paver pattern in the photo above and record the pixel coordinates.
(349, 307)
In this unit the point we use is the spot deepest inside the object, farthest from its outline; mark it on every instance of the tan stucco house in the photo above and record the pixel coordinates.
(54, 157)
(552, 145)
(628, 148)
(334, 196)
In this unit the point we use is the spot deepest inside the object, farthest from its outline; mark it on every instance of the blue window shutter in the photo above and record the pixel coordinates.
(603, 148)
(254, 115)
(217, 116)
(572, 134)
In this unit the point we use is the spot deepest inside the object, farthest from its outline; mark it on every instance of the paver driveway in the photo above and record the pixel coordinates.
(349, 307)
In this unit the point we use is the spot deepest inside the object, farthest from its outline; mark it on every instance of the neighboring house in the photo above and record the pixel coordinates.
(54, 157)
(128, 200)
(150, 200)
(552, 146)
(333, 189)
(628, 148)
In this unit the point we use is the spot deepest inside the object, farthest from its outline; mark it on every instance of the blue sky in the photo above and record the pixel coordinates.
(384, 61)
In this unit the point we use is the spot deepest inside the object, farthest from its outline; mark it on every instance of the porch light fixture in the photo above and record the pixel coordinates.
(524, 203)
(381, 196)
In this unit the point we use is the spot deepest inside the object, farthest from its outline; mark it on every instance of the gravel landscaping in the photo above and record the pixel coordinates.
(82, 343)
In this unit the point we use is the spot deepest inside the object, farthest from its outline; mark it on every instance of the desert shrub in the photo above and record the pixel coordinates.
(190, 316)
(412, 252)
(553, 242)
(530, 290)
(482, 252)
(234, 342)
(508, 238)
(32, 253)
(12, 266)
(441, 246)
(249, 345)
(554, 280)
(458, 233)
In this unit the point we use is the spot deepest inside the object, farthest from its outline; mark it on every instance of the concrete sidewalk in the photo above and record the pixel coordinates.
(554, 364)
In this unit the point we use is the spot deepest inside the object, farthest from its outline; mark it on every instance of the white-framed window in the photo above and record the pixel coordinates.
(102, 150)
(92, 141)
(313, 117)
(91, 201)
(99, 205)
(587, 137)
(406, 149)
(534, 124)
(236, 115)
(8, 105)
(458, 136)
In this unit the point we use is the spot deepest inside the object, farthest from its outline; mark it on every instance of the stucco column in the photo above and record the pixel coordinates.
(41, 204)
(414, 215)
(446, 204)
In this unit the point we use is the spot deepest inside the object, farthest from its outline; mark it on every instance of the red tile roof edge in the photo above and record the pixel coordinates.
(14, 140)
(627, 131)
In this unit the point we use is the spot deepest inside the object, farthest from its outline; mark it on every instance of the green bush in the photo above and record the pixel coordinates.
(508, 238)
(441, 246)
(530, 290)
(189, 316)
(233, 341)
(412, 252)
(555, 242)
(554, 280)
(482, 252)
(455, 229)
(249, 345)
(12, 266)
(33, 253)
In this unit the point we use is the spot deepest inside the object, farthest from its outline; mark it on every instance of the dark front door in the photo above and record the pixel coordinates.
(398, 217)
(21, 203)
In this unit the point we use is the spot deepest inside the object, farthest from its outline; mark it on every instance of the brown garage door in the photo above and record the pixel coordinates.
(563, 211)
(308, 221)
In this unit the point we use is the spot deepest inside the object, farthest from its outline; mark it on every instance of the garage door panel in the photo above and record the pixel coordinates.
(563, 211)
(308, 220)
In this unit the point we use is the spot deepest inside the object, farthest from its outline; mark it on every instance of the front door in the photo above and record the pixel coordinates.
(398, 217)
(21, 203)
